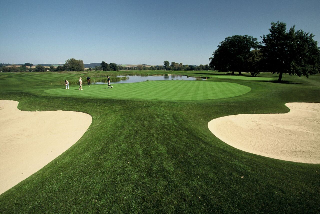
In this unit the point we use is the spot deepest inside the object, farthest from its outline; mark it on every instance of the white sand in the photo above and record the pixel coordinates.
(294, 136)
(30, 140)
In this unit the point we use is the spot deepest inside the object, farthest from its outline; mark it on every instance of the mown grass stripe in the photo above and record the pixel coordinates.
(158, 90)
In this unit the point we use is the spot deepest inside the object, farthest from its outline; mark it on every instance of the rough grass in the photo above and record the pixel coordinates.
(148, 156)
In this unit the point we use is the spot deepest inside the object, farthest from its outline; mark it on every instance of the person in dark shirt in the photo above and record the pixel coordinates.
(88, 80)
(109, 84)
(108, 81)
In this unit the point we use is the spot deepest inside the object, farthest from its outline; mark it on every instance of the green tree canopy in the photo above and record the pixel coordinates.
(113, 67)
(105, 66)
(52, 68)
(74, 65)
(292, 52)
(254, 61)
(233, 53)
(39, 68)
(166, 65)
(28, 64)
(60, 68)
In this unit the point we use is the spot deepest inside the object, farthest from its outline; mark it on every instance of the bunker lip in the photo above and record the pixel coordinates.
(293, 136)
(30, 140)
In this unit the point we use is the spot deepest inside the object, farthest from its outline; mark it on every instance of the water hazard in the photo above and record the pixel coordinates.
(133, 79)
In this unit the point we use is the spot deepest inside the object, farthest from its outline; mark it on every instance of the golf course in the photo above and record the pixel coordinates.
(146, 147)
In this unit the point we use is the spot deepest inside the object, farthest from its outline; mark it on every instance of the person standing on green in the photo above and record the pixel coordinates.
(109, 84)
(88, 80)
(67, 84)
(80, 84)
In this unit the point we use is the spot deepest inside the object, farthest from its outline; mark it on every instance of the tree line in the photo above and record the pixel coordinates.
(180, 67)
(174, 67)
(70, 65)
(77, 65)
(281, 51)
(107, 67)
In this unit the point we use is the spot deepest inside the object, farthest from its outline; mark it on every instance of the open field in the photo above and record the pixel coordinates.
(158, 155)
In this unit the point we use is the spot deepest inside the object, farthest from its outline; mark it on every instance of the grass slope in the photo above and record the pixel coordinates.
(157, 156)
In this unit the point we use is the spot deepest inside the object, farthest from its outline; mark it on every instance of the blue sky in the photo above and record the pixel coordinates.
(139, 31)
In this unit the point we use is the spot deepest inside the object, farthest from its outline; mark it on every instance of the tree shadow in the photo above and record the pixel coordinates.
(219, 74)
(285, 82)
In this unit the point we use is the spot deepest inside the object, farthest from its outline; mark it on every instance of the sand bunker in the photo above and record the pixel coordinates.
(294, 136)
(30, 140)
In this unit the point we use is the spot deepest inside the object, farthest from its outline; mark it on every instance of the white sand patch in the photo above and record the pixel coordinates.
(294, 136)
(30, 140)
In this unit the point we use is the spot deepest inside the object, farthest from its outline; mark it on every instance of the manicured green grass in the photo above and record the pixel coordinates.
(158, 90)
(158, 156)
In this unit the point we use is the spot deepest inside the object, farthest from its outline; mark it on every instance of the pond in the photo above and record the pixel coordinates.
(133, 79)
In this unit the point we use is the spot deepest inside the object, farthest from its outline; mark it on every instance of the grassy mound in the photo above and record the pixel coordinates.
(158, 90)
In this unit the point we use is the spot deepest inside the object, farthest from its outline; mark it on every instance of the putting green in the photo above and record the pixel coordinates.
(157, 90)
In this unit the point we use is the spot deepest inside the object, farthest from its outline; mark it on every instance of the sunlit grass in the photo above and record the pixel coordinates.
(153, 155)
(157, 90)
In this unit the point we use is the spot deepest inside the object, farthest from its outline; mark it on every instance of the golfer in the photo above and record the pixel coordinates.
(108, 81)
(80, 84)
(67, 84)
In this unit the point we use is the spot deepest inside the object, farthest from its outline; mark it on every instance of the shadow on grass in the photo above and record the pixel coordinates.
(213, 74)
(285, 82)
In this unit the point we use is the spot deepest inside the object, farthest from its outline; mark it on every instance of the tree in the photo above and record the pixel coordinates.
(192, 67)
(292, 52)
(5, 69)
(233, 53)
(28, 64)
(254, 61)
(60, 68)
(105, 66)
(306, 58)
(23, 68)
(11, 68)
(113, 67)
(39, 68)
(74, 65)
(52, 68)
(166, 65)
(97, 68)
(174, 66)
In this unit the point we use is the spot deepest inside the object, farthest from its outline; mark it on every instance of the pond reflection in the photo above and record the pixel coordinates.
(133, 79)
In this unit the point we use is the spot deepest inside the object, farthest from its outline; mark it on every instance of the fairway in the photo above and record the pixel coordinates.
(158, 90)
(149, 148)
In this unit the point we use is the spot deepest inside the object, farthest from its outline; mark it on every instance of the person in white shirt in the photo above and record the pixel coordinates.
(80, 84)
(67, 84)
